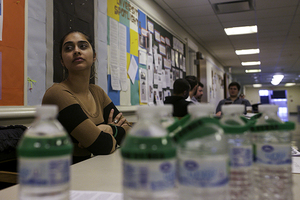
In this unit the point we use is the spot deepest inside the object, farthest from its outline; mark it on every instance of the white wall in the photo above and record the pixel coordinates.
(213, 86)
(293, 92)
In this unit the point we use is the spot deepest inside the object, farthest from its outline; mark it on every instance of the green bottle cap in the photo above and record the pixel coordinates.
(238, 129)
(142, 148)
(273, 126)
(44, 146)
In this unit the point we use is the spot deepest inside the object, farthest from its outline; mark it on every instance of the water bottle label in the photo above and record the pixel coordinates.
(241, 156)
(48, 172)
(150, 176)
(273, 154)
(205, 172)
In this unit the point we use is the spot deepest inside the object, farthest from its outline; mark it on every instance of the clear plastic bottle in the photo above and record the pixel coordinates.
(178, 126)
(44, 158)
(165, 112)
(149, 159)
(240, 152)
(202, 158)
(272, 142)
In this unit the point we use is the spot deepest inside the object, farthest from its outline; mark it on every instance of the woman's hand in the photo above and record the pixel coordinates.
(118, 120)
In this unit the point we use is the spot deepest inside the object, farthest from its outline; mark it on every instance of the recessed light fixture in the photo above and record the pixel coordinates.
(289, 84)
(247, 51)
(257, 85)
(253, 71)
(277, 79)
(241, 30)
(251, 63)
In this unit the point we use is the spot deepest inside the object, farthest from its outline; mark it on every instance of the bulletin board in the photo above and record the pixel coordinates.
(12, 52)
(144, 59)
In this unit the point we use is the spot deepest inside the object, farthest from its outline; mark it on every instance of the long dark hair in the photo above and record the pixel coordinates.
(61, 43)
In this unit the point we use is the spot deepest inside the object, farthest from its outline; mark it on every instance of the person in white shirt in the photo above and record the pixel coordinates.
(194, 85)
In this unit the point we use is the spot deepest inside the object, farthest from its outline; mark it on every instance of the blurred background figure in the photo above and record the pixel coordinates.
(181, 89)
(194, 85)
(198, 94)
(234, 98)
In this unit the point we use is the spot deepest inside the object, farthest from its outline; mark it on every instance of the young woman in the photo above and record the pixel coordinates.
(85, 110)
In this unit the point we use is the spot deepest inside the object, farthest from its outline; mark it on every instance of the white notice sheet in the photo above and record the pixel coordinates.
(123, 57)
(114, 65)
(133, 67)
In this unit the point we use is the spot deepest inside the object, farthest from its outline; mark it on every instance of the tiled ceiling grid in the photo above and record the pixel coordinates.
(278, 36)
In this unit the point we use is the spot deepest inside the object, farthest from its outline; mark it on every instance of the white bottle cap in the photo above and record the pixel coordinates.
(164, 109)
(146, 111)
(270, 108)
(233, 109)
(47, 111)
(203, 109)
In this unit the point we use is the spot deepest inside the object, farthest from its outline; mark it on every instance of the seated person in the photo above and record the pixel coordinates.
(181, 90)
(194, 85)
(198, 94)
(85, 110)
(234, 98)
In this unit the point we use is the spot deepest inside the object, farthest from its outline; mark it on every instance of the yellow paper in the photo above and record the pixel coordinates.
(134, 43)
(128, 63)
(112, 9)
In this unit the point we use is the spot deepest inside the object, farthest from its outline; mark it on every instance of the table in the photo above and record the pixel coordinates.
(100, 173)
(103, 173)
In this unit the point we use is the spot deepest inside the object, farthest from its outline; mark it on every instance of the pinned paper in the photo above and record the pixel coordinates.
(133, 67)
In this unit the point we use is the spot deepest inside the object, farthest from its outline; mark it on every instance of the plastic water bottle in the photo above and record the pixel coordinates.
(165, 113)
(175, 129)
(203, 158)
(240, 152)
(44, 158)
(272, 138)
(149, 159)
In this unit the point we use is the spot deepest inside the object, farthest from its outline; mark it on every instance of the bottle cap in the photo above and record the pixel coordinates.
(203, 109)
(145, 110)
(165, 109)
(46, 111)
(139, 148)
(233, 109)
(268, 108)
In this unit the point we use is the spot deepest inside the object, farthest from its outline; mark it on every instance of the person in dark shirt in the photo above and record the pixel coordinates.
(234, 89)
(181, 88)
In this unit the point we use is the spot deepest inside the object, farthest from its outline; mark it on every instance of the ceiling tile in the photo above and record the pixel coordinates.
(202, 20)
(276, 12)
(267, 4)
(186, 3)
(195, 11)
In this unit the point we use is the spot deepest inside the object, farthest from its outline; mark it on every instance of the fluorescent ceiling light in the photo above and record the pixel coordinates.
(247, 51)
(277, 79)
(241, 30)
(257, 85)
(290, 84)
(251, 63)
(252, 70)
